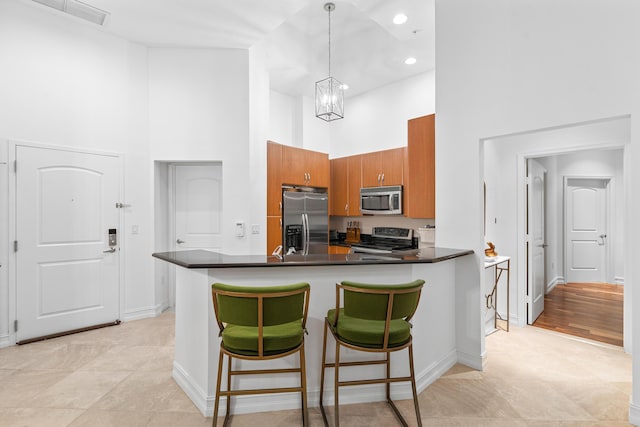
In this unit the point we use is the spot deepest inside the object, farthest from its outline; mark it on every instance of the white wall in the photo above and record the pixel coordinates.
(64, 83)
(375, 120)
(506, 67)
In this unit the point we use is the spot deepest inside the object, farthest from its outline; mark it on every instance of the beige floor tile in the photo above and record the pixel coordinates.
(69, 356)
(147, 391)
(37, 417)
(98, 418)
(20, 388)
(21, 356)
(133, 358)
(80, 390)
(175, 419)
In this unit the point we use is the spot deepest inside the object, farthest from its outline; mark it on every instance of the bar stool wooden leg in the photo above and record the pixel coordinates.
(324, 359)
(336, 400)
(413, 386)
(388, 385)
(219, 380)
(303, 384)
(229, 369)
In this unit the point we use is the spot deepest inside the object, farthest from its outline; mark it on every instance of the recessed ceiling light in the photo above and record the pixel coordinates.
(410, 61)
(345, 86)
(399, 19)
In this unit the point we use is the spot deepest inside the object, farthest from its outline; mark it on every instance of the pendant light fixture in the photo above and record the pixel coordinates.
(329, 92)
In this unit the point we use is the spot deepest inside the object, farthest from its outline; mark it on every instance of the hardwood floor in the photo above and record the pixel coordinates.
(586, 310)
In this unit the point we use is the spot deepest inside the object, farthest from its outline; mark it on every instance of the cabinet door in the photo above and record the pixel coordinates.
(355, 183)
(392, 162)
(274, 180)
(317, 168)
(420, 185)
(293, 165)
(339, 191)
(371, 169)
(339, 250)
(274, 233)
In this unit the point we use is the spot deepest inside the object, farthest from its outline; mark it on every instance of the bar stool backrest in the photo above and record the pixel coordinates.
(380, 302)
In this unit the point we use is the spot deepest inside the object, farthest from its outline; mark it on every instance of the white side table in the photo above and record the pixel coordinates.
(500, 264)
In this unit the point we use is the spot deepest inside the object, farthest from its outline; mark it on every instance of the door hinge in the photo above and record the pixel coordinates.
(15, 325)
(15, 246)
(15, 166)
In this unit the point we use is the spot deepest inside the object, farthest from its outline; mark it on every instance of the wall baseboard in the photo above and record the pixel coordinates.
(283, 401)
(558, 280)
(5, 341)
(634, 414)
(141, 313)
(470, 360)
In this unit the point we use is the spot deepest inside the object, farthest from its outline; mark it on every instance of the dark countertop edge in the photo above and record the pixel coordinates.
(312, 263)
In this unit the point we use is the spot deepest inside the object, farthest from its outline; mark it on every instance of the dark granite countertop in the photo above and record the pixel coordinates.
(199, 258)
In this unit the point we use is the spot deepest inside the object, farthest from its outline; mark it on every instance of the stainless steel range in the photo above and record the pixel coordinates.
(386, 240)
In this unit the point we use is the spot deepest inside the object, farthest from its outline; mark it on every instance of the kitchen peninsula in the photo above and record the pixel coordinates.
(196, 332)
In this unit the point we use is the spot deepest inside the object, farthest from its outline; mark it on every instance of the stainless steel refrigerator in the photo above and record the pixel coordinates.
(305, 221)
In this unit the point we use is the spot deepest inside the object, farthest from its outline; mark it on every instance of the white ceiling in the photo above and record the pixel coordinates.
(367, 49)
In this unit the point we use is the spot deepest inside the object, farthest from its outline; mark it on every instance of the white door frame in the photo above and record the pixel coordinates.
(12, 198)
(609, 190)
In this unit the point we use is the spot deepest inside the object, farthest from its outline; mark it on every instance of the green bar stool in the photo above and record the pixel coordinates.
(260, 323)
(375, 318)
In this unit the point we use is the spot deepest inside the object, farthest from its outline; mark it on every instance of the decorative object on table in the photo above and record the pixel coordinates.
(491, 250)
(329, 91)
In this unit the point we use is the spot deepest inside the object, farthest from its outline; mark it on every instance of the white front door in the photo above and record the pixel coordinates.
(198, 206)
(586, 207)
(536, 258)
(67, 277)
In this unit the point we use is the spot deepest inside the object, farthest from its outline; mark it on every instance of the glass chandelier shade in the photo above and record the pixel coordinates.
(329, 91)
(329, 99)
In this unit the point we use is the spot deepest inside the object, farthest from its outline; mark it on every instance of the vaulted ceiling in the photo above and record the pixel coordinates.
(367, 49)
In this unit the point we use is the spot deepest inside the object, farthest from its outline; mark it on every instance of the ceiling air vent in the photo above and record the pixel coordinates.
(77, 9)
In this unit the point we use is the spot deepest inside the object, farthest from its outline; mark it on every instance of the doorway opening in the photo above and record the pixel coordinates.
(188, 215)
(581, 151)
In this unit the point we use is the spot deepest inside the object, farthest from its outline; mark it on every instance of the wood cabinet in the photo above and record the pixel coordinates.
(304, 167)
(420, 169)
(274, 233)
(274, 179)
(339, 249)
(383, 167)
(346, 180)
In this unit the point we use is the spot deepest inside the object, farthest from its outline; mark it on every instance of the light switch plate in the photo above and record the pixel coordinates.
(239, 229)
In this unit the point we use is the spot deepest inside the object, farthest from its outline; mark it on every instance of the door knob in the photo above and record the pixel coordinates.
(109, 251)
(179, 241)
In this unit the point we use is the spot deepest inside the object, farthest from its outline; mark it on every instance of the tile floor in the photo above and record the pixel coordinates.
(121, 376)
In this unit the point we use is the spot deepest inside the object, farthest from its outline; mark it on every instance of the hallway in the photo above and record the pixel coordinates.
(587, 310)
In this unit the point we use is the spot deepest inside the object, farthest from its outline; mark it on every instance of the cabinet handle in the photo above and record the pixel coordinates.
(280, 206)
(383, 178)
(280, 222)
(378, 178)
(309, 175)
(346, 207)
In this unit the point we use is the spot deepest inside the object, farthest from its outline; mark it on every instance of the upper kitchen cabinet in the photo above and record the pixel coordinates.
(383, 168)
(274, 179)
(346, 180)
(420, 169)
(304, 167)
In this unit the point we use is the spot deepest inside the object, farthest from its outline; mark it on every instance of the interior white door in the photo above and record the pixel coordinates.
(535, 226)
(198, 206)
(67, 275)
(586, 207)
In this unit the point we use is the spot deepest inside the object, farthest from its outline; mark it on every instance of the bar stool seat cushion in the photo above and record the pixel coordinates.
(277, 339)
(369, 333)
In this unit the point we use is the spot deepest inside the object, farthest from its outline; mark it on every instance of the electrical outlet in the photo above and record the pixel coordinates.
(255, 229)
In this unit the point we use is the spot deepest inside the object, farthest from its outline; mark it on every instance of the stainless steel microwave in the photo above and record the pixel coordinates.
(381, 200)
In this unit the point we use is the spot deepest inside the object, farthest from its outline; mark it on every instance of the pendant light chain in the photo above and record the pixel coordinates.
(330, 7)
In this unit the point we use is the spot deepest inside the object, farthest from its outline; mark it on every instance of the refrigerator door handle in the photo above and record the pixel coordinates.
(304, 234)
(307, 234)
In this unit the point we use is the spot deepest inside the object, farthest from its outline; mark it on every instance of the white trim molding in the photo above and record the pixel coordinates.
(618, 280)
(634, 414)
(141, 313)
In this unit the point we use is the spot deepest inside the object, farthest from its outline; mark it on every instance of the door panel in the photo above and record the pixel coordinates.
(586, 230)
(65, 205)
(198, 195)
(536, 286)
